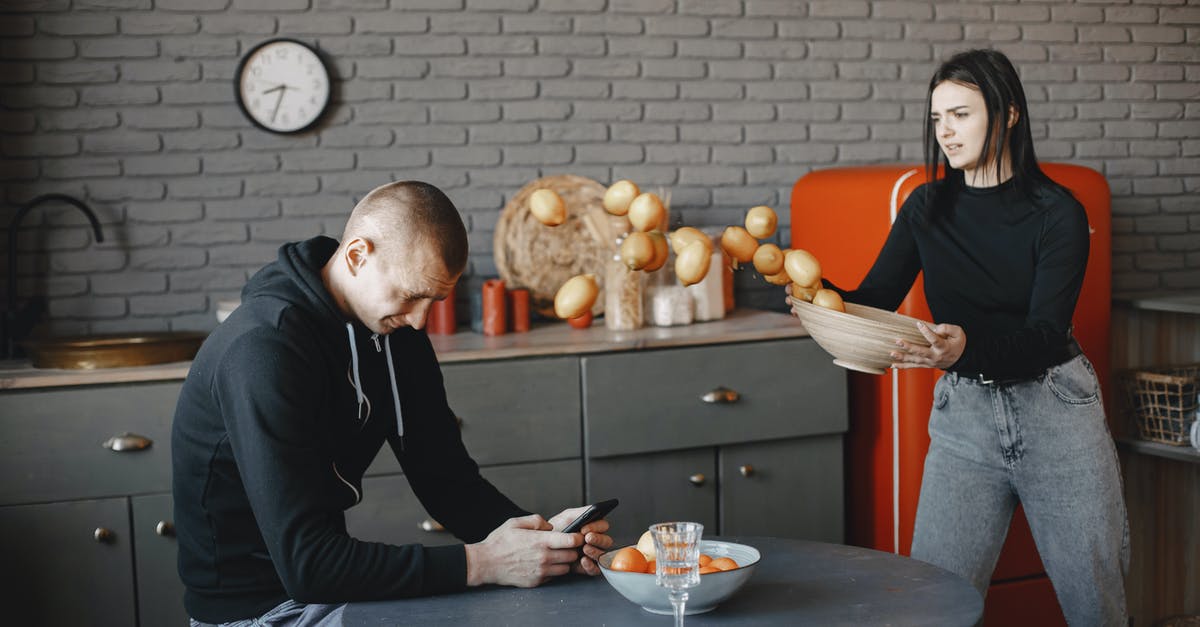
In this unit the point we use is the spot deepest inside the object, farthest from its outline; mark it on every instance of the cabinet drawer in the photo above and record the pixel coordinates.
(654, 400)
(511, 411)
(52, 445)
(391, 513)
(517, 411)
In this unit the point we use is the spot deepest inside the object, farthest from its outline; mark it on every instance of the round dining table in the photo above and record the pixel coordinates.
(796, 582)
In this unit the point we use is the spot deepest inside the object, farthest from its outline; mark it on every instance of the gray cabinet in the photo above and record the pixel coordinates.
(656, 487)
(785, 488)
(159, 590)
(67, 563)
(391, 513)
(745, 438)
(737, 430)
(79, 534)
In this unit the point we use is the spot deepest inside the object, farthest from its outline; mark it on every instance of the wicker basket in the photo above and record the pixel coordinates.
(1163, 402)
(532, 255)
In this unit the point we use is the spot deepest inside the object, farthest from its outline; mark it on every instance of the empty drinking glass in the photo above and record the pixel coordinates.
(677, 545)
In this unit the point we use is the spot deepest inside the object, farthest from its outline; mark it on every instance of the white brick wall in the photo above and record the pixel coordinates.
(128, 104)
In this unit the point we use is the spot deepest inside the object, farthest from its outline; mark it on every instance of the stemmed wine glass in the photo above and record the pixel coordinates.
(677, 545)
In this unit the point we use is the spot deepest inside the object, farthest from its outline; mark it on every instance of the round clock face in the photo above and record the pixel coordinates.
(283, 86)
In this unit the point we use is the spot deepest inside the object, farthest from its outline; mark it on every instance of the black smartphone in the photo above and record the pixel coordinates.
(594, 512)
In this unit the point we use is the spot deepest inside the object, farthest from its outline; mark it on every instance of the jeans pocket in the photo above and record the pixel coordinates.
(1074, 382)
(941, 391)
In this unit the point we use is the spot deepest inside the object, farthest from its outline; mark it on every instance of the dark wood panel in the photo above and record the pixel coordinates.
(1162, 495)
(1163, 499)
(639, 402)
(56, 573)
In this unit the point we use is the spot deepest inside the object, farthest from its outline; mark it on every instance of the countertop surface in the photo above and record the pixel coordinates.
(547, 339)
(1183, 302)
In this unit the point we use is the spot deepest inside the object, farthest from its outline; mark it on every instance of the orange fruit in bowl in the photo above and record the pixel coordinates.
(723, 563)
(651, 566)
(704, 560)
(705, 570)
(629, 559)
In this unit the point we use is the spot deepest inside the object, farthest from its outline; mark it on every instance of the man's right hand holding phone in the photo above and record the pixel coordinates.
(593, 536)
(520, 553)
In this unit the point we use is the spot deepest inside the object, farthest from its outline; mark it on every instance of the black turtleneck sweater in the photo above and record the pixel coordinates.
(1004, 267)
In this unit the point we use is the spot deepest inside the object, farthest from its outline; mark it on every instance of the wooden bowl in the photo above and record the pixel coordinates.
(860, 339)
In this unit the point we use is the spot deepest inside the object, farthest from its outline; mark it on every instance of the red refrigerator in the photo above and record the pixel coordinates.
(843, 216)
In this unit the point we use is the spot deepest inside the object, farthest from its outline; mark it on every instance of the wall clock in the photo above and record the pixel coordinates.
(283, 86)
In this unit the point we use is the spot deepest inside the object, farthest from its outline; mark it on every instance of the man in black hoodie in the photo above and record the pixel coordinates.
(291, 398)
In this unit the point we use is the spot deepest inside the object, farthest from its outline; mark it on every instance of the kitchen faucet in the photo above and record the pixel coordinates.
(18, 323)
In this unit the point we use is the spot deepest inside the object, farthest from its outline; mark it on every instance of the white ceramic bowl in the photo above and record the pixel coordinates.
(714, 588)
(862, 337)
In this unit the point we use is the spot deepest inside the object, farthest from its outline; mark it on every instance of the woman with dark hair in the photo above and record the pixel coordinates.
(1017, 418)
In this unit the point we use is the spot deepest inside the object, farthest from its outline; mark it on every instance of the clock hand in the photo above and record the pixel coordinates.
(278, 101)
(276, 88)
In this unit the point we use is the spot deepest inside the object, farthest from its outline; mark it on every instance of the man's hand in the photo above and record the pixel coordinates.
(946, 344)
(596, 542)
(522, 552)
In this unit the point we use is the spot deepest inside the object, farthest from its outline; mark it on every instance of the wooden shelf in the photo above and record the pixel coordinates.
(1178, 453)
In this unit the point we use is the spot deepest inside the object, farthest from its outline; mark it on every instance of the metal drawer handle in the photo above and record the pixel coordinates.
(722, 395)
(127, 442)
(431, 525)
(697, 479)
(165, 529)
(746, 470)
(104, 536)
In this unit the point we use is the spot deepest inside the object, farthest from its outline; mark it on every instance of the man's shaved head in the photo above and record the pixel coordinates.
(398, 215)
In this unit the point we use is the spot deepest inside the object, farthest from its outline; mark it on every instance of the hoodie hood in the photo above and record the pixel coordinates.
(295, 278)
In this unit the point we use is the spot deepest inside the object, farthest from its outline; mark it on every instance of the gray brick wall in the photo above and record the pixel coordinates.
(128, 105)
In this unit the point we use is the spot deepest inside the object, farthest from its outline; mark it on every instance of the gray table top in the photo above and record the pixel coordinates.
(796, 582)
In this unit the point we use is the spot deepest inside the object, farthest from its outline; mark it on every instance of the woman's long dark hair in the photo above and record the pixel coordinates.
(995, 77)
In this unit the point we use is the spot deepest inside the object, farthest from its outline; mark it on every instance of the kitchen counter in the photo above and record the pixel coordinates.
(547, 339)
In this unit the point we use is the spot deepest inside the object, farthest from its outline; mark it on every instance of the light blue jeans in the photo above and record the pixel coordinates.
(1043, 443)
(289, 614)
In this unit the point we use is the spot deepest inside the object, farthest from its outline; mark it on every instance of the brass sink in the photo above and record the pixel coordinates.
(113, 350)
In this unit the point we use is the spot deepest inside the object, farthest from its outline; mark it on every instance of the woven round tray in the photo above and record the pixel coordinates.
(541, 258)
